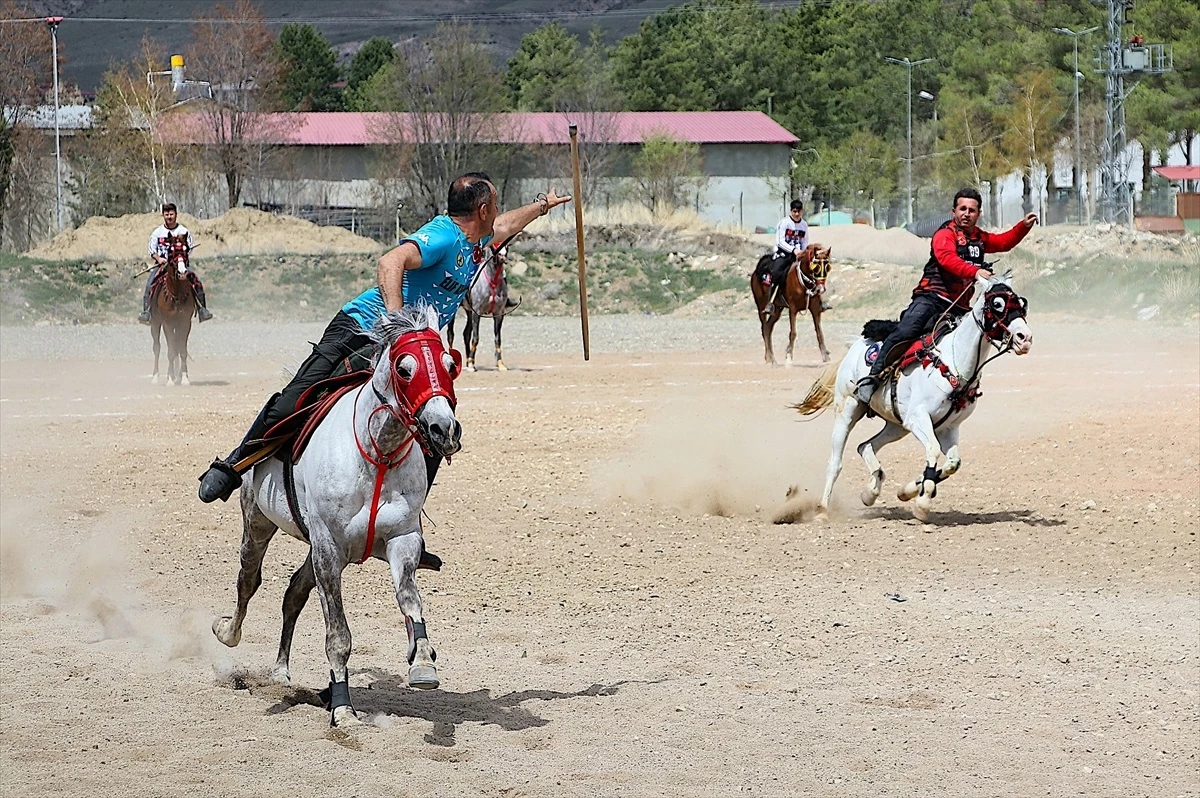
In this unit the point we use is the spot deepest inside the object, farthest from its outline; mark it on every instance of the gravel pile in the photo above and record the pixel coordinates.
(1108, 240)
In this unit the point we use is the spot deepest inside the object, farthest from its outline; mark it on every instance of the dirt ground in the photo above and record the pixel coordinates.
(618, 615)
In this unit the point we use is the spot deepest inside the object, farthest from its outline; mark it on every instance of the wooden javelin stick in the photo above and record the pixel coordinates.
(578, 197)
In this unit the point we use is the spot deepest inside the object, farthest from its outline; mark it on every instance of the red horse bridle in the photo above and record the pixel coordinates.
(431, 378)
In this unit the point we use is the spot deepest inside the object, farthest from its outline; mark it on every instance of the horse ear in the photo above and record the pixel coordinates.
(457, 357)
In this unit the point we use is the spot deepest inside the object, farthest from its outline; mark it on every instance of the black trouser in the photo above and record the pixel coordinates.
(341, 338)
(777, 267)
(915, 321)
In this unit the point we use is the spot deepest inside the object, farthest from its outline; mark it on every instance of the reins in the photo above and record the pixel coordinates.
(405, 414)
(383, 461)
(494, 284)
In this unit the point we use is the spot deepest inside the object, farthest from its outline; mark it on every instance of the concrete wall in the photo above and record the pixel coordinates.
(744, 185)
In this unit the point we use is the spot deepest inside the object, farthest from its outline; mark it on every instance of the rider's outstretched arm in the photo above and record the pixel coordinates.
(512, 222)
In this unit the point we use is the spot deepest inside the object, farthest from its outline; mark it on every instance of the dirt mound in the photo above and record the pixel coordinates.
(649, 237)
(1113, 241)
(862, 242)
(241, 231)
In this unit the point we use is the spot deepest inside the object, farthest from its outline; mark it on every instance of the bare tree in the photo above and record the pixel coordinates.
(451, 92)
(30, 219)
(233, 50)
(599, 149)
(25, 66)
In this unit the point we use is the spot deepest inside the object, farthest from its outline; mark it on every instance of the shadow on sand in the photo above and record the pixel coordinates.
(389, 695)
(956, 518)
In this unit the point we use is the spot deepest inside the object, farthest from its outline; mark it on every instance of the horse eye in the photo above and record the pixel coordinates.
(405, 367)
(998, 303)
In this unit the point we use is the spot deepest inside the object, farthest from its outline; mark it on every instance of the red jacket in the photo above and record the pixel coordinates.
(954, 259)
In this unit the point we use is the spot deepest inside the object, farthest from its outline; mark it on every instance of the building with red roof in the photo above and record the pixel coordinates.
(334, 159)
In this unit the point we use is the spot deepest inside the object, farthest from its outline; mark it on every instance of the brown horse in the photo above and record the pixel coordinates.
(172, 305)
(801, 291)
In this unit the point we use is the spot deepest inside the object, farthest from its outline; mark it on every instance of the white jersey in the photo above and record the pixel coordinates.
(158, 239)
(791, 236)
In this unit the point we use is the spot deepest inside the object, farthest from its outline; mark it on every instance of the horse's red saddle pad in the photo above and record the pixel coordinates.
(914, 351)
(312, 407)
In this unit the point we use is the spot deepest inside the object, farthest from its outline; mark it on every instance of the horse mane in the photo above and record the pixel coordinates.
(394, 323)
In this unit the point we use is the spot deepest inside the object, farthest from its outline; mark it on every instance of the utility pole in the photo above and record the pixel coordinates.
(52, 23)
(1078, 158)
(908, 65)
(1115, 60)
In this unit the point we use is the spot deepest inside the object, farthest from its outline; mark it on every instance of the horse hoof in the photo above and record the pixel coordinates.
(223, 628)
(500, 366)
(920, 512)
(471, 367)
(154, 379)
(345, 716)
(281, 675)
(868, 497)
(908, 492)
(185, 380)
(787, 363)
(423, 677)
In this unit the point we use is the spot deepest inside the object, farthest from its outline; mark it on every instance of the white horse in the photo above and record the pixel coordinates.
(360, 485)
(930, 399)
(486, 296)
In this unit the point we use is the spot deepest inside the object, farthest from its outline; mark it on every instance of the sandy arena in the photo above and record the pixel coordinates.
(618, 615)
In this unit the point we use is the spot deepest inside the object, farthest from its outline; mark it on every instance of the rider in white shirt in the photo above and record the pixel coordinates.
(157, 249)
(791, 238)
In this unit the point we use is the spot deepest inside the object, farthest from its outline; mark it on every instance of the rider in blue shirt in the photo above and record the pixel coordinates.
(434, 265)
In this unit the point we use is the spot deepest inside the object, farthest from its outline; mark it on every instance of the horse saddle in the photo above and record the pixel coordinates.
(901, 356)
(314, 404)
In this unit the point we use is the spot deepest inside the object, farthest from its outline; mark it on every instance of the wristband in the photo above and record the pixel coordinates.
(545, 203)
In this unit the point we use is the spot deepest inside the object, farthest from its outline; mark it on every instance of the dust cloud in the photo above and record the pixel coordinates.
(703, 456)
(93, 581)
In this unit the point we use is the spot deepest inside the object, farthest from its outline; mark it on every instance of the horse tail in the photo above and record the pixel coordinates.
(820, 395)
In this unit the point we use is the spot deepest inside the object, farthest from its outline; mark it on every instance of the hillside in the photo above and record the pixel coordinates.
(88, 48)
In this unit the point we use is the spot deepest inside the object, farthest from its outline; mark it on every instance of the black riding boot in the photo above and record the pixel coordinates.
(222, 479)
(202, 304)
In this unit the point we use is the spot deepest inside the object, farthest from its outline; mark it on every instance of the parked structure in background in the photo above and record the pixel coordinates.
(1117, 60)
(331, 161)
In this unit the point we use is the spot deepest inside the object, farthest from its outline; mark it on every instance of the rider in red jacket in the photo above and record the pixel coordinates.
(955, 260)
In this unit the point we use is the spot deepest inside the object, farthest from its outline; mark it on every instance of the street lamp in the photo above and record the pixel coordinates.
(52, 23)
(908, 65)
(1078, 166)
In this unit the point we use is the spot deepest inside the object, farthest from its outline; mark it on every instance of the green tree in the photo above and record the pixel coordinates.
(309, 69)
(664, 169)
(708, 55)
(380, 92)
(1031, 128)
(547, 72)
(375, 53)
